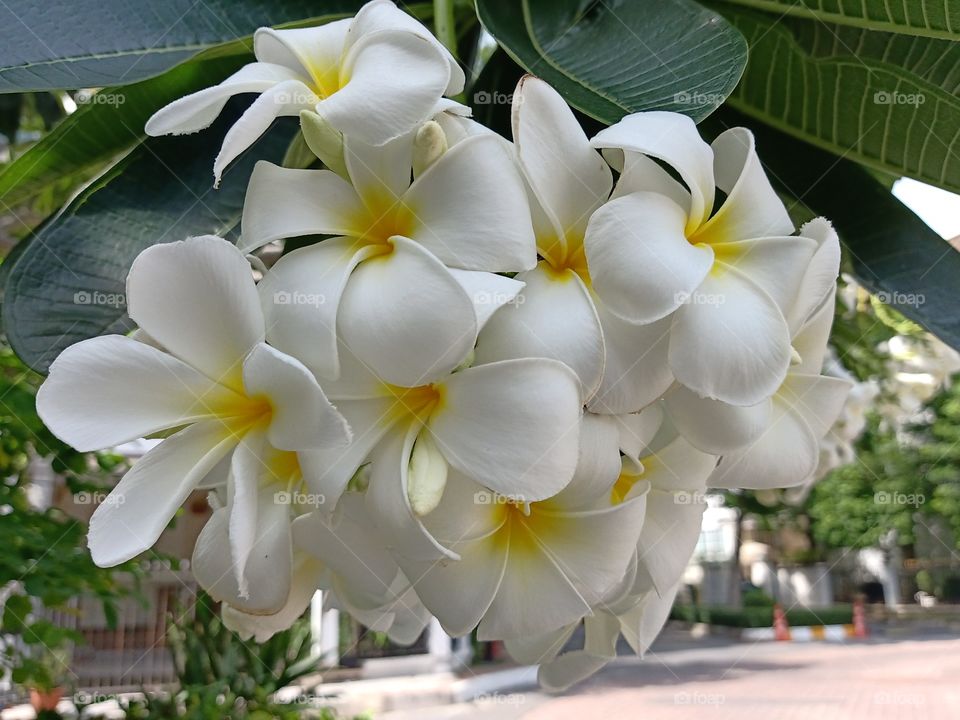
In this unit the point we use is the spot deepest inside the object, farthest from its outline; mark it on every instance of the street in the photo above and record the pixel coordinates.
(873, 680)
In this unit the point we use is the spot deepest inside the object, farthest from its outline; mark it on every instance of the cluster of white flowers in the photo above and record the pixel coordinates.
(495, 393)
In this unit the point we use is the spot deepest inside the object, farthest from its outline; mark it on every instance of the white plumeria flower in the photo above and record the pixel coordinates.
(673, 480)
(776, 443)
(526, 568)
(342, 555)
(401, 284)
(511, 426)
(567, 180)
(715, 284)
(215, 379)
(374, 76)
(558, 315)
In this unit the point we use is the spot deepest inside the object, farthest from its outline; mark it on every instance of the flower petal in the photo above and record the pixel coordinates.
(489, 291)
(569, 178)
(393, 81)
(553, 318)
(820, 279)
(268, 567)
(198, 110)
(785, 454)
(641, 174)
(637, 369)
(735, 348)
(303, 586)
(642, 266)
(752, 208)
(312, 52)
(301, 297)
(776, 264)
(327, 472)
(349, 548)
(285, 99)
(384, 15)
(511, 425)
(714, 426)
(406, 317)
(636, 430)
(641, 625)
(564, 565)
(379, 173)
(810, 340)
(568, 669)
(285, 202)
(598, 465)
(136, 390)
(197, 298)
(471, 208)
(138, 509)
(672, 138)
(537, 649)
(389, 505)
(302, 418)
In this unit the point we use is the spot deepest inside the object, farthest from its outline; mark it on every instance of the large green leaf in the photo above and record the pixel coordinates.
(96, 43)
(892, 251)
(617, 57)
(933, 18)
(108, 124)
(68, 283)
(885, 100)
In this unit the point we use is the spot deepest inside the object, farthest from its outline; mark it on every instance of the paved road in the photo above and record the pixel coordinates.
(877, 680)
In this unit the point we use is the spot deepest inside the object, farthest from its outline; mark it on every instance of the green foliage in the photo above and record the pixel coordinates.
(93, 43)
(44, 559)
(68, 283)
(219, 675)
(762, 616)
(617, 57)
(207, 653)
(885, 100)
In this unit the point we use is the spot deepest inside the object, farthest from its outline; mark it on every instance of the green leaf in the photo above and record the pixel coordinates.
(932, 18)
(617, 57)
(887, 101)
(108, 124)
(892, 251)
(96, 43)
(68, 284)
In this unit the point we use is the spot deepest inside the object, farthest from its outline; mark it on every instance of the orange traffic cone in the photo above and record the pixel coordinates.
(781, 631)
(859, 620)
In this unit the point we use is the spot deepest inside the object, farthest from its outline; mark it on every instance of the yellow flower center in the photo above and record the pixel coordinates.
(416, 403)
(563, 257)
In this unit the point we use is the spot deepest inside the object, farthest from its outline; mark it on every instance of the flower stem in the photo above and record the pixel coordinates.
(445, 25)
